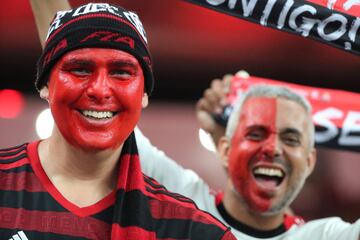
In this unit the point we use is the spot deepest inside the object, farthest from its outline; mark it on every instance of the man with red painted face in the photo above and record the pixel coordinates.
(85, 180)
(268, 153)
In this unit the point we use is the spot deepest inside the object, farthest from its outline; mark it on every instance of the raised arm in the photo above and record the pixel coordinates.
(44, 11)
(156, 164)
(211, 105)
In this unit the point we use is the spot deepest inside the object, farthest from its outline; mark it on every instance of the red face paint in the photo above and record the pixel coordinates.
(95, 97)
(267, 160)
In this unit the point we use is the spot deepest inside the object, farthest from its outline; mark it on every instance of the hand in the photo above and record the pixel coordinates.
(44, 12)
(212, 103)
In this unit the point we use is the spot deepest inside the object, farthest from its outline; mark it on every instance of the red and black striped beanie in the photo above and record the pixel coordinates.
(99, 25)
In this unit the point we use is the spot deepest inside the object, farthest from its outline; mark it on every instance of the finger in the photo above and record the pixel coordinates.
(226, 81)
(242, 73)
(205, 121)
(213, 99)
(203, 105)
(217, 86)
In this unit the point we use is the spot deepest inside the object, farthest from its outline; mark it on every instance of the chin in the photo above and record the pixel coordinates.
(278, 208)
(96, 146)
(266, 207)
(273, 211)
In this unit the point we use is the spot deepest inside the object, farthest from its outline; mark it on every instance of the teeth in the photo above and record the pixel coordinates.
(272, 172)
(96, 114)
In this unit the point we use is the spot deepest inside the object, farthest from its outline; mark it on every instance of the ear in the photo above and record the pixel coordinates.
(44, 93)
(311, 161)
(223, 149)
(145, 100)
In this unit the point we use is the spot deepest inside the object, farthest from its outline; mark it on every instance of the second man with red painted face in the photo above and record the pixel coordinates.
(268, 153)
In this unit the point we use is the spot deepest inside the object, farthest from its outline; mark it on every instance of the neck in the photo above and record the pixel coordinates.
(71, 169)
(237, 209)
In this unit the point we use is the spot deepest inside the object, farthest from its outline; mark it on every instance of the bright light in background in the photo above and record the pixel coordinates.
(11, 103)
(206, 140)
(44, 124)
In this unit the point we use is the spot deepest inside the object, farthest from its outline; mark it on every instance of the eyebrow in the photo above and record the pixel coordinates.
(283, 131)
(123, 63)
(256, 127)
(79, 62)
(291, 130)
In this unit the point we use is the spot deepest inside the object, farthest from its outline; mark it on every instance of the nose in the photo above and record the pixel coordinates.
(99, 88)
(272, 147)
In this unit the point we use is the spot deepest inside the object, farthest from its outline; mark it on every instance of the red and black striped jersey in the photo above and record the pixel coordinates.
(140, 208)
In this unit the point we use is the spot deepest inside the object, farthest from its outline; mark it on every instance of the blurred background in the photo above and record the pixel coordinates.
(190, 47)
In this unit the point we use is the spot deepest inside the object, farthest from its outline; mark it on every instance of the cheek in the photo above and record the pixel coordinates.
(296, 160)
(239, 159)
(62, 88)
(131, 95)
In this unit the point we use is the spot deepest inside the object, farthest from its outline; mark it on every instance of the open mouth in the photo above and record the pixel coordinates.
(97, 115)
(268, 176)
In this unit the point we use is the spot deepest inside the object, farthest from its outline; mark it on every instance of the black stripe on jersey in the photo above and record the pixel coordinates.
(30, 201)
(151, 182)
(14, 159)
(22, 146)
(129, 203)
(180, 228)
(23, 168)
(105, 215)
(170, 194)
(163, 190)
(135, 201)
(13, 152)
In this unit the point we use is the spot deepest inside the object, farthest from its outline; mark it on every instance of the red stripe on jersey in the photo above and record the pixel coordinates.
(156, 188)
(63, 223)
(12, 149)
(167, 198)
(19, 163)
(12, 154)
(164, 194)
(152, 183)
(170, 210)
(131, 232)
(228, 236)
(12, 181)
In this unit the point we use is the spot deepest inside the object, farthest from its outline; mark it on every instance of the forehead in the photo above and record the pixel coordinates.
(99, 54)
(273, 113)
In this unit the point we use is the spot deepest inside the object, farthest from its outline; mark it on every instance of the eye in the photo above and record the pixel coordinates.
(80, 71)
(120, 73)
(291, 139)
(255, 135)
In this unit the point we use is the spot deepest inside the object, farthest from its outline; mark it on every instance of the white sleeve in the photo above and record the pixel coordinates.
(174, 177)
(333, 228)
